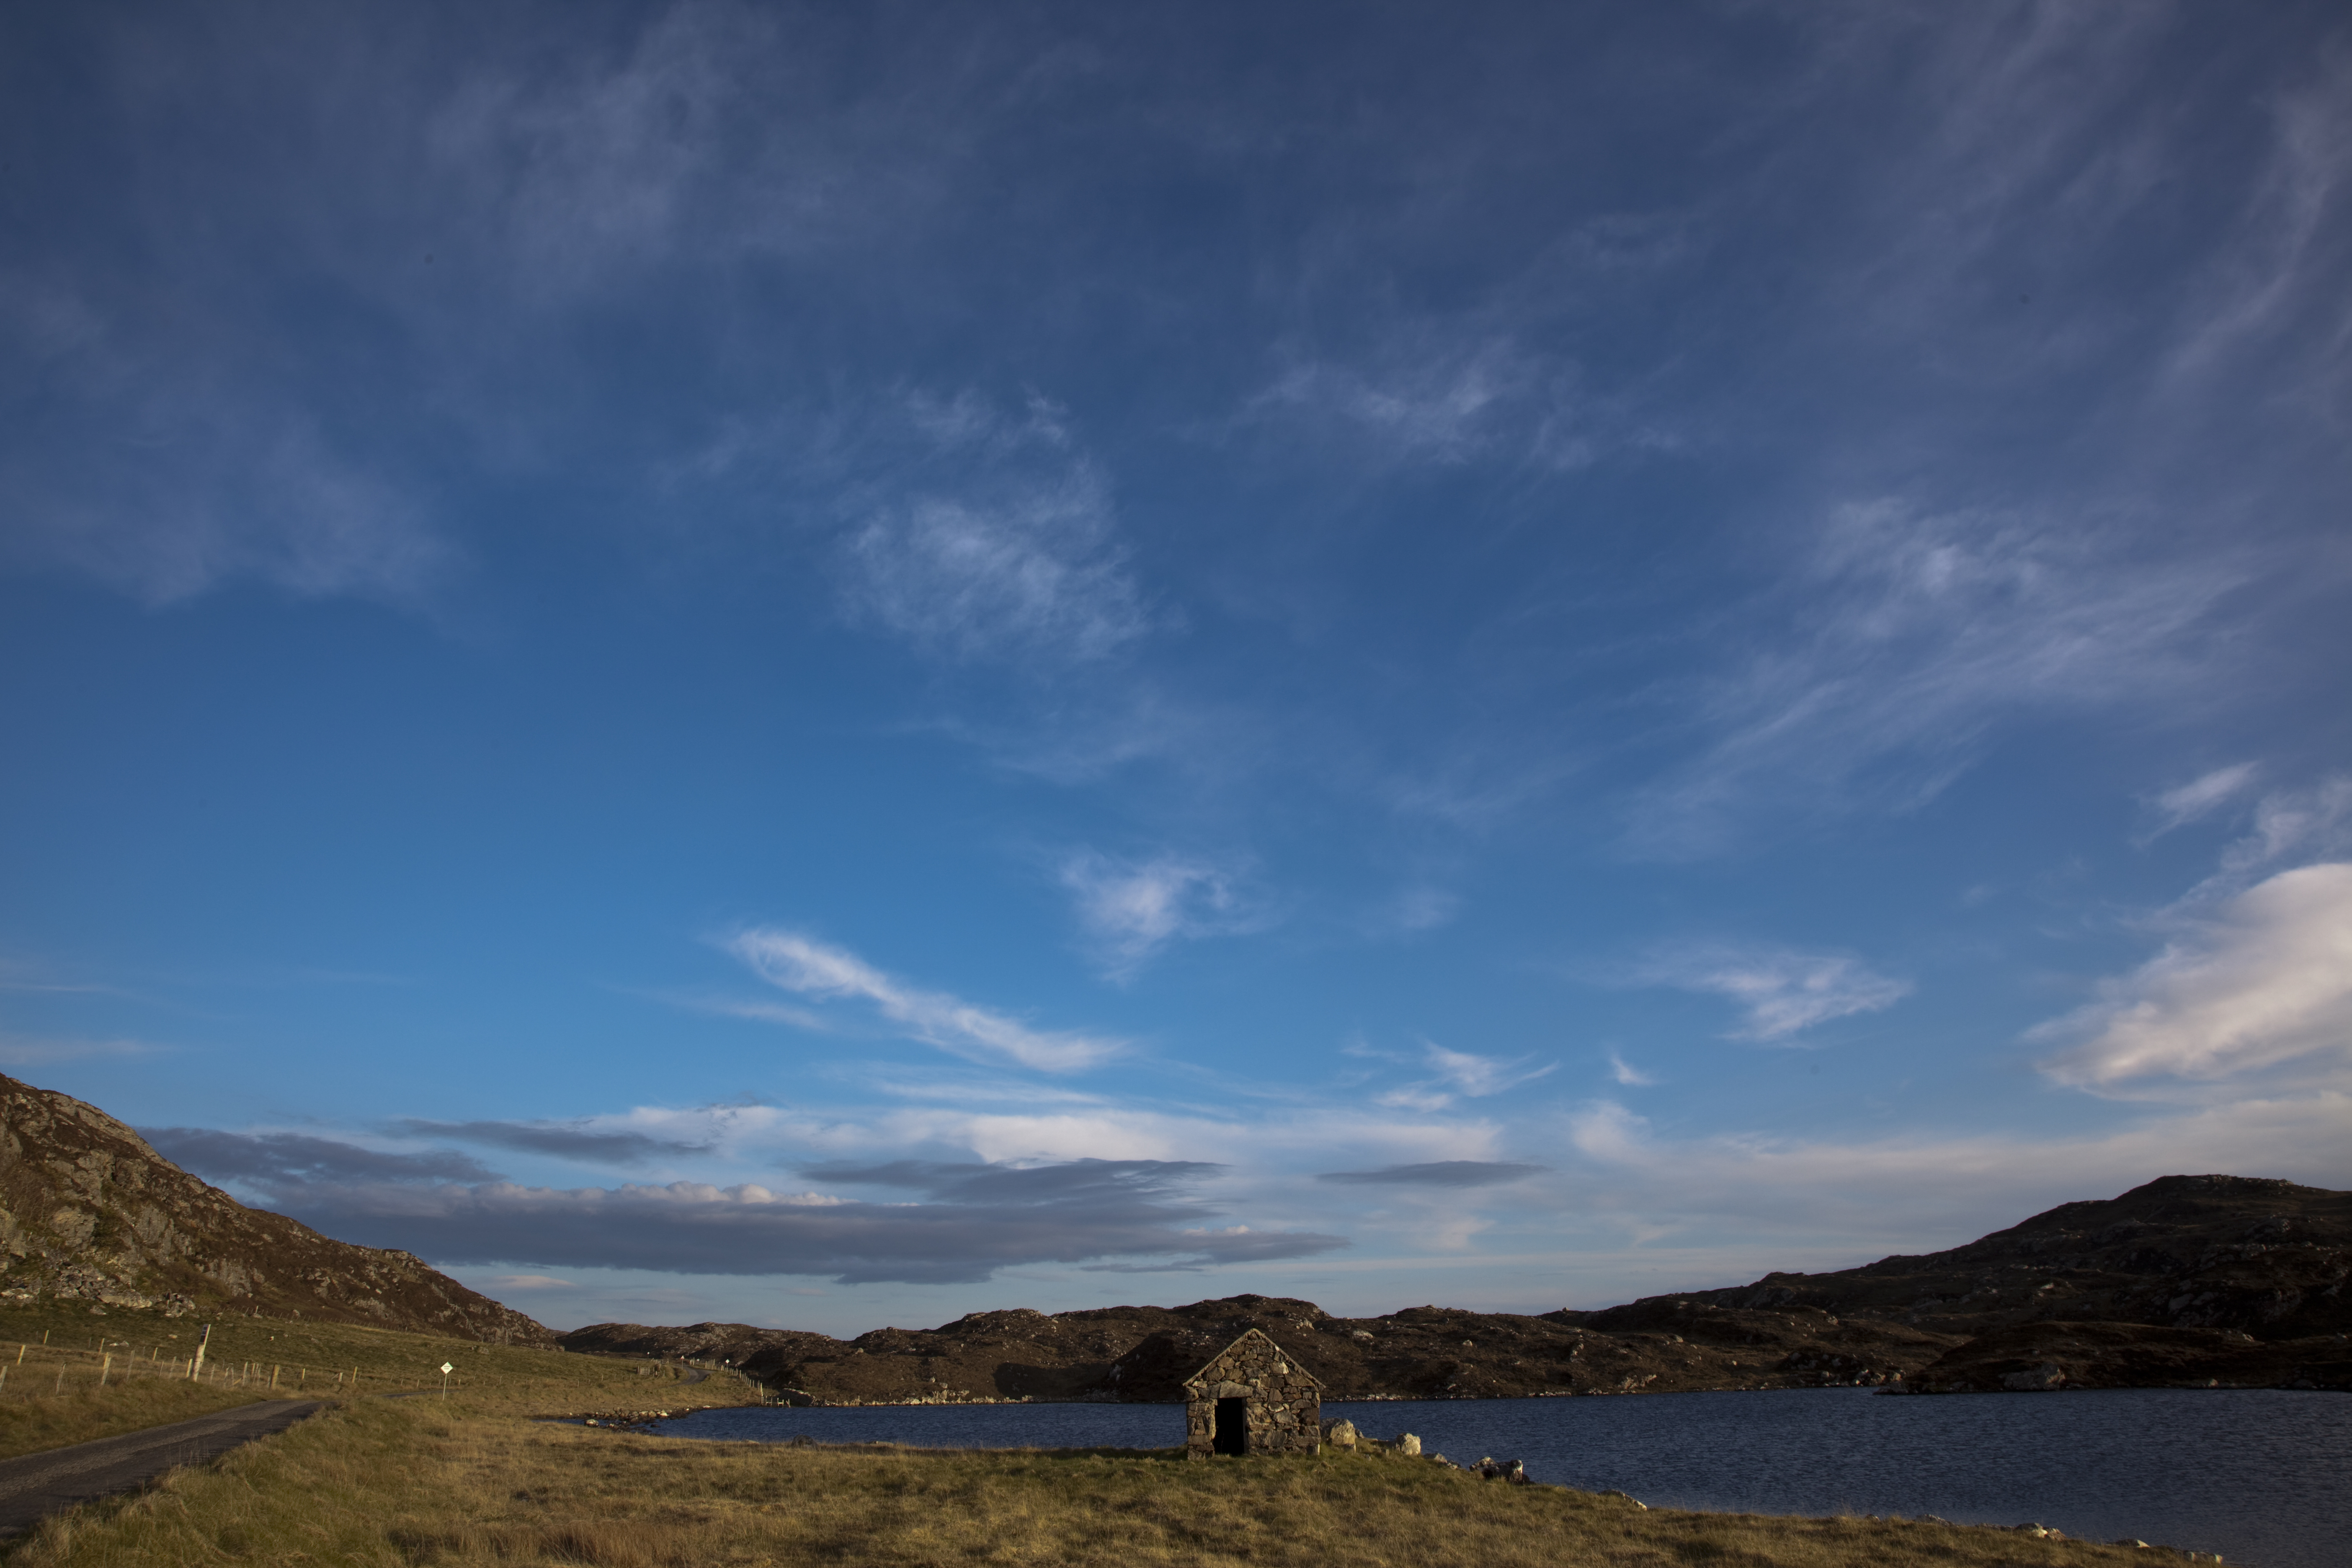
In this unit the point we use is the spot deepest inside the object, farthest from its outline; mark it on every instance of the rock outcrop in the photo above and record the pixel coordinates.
(90, 1212)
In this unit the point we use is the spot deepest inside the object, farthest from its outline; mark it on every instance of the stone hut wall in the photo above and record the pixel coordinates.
(1285, 1403)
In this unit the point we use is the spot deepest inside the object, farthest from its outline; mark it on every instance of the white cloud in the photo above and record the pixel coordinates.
(2266, 981)
(1782, 992)
(1630, 1075)
(810, 968)
(1478, 1076)
(2185, 804)
(1132, 909)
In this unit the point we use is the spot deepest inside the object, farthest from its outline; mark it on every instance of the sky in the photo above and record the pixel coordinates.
(828, 665)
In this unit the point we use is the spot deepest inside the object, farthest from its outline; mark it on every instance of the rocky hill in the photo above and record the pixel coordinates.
(2233, 1253)
(2191, 1279)
(1143, 1354)
(90, 1212)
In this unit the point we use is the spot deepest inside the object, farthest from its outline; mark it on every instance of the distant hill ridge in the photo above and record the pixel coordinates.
(2186, 1280)
(89, 1212)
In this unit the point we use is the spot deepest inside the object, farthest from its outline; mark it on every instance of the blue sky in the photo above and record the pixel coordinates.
(833, 666)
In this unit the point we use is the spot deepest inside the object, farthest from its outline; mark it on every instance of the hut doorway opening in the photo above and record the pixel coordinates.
(1233, 1427)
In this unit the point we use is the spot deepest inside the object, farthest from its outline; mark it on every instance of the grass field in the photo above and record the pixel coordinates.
(68, 1375)
(469, 1478)
(416, 1482)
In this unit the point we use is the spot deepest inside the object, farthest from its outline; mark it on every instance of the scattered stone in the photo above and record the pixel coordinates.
(1627, 1497)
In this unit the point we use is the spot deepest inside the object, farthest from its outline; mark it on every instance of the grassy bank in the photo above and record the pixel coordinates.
(68, 1375)
(406, 1483)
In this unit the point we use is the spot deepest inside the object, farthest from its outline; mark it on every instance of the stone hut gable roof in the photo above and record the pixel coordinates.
(1216, 1369)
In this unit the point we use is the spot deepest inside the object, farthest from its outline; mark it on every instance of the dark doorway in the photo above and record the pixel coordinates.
(1233, 1427)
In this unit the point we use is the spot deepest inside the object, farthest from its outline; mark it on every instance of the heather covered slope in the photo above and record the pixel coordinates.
(2262, 1257)
(90, 1212)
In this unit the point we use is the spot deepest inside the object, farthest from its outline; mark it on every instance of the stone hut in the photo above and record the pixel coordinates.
(1251, 1398)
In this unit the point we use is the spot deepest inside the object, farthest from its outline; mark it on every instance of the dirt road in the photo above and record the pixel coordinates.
(37, 1485)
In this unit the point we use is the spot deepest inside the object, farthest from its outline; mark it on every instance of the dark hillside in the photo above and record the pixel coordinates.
(2262, 1258)
(2188, 1279)
(1143, 1354)
(90, 1212)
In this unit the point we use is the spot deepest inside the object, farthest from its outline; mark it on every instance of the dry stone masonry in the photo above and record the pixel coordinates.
(1251, 1398)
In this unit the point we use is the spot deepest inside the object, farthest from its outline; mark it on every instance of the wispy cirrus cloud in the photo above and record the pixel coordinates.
(2290, 825)
(2199, 797)
(1132, 909)
(1001, 546)
(2292, 243)
(1460, 1074)
(806, 967)
(1444, 400)
(1783, 991)
(1910, 637)
(38, 1050)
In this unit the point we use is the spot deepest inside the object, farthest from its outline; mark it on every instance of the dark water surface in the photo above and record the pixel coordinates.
(2263, 1476)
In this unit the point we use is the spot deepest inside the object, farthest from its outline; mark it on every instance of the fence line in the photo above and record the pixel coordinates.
(112, 1365)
